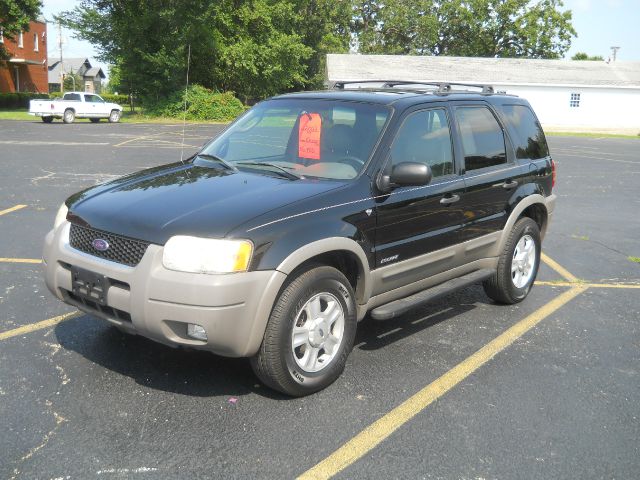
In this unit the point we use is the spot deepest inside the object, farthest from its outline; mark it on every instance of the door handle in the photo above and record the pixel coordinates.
(451, 199)
(509, 184)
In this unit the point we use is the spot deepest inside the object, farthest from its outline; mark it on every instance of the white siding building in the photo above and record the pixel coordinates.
(564, 93)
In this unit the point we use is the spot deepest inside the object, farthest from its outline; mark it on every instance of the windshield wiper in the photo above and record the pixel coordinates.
(207, 156)
(284, 171)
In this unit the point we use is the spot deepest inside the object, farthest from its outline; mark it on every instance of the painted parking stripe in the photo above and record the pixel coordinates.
(20, 260)
(563, 272)
(590, 285)
(12, 209)
(32, 327)
(379, 431)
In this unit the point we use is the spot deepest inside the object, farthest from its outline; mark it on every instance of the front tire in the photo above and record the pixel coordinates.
(69, 116)
(309, 335)
(518, 264)
(114, 117)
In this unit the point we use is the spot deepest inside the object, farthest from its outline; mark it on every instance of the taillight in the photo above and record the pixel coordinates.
(553, 173)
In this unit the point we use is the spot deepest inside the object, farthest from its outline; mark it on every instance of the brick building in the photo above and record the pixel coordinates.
(26, 68)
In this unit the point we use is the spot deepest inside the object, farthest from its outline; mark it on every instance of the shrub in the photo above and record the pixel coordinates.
(202, 104)
(19, 99)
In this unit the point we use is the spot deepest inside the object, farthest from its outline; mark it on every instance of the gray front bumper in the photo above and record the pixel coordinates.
(232, 308)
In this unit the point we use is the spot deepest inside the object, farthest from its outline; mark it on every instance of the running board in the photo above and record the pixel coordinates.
(398, 307)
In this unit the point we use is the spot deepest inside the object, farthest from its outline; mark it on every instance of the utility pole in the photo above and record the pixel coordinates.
(614, 52)
(61, 64)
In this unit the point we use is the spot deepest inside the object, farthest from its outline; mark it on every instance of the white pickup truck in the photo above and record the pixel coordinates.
(75, 105)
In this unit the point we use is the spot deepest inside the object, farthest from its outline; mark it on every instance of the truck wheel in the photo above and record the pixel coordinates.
(47, 119)
(518, 264)
(114, 117)
(69, 116)
(309, 335)
(94, 120)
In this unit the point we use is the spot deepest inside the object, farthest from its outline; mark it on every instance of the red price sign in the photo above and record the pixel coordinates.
(309, 136)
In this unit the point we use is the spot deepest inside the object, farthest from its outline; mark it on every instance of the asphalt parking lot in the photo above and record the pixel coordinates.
(460, 389)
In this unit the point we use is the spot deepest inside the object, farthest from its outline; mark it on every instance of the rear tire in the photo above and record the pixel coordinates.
(94, 120)
(518, 264)
(69, 116)
(47, 119)
(310, 333)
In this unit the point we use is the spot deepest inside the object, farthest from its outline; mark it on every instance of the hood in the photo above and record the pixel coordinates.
(177, 199)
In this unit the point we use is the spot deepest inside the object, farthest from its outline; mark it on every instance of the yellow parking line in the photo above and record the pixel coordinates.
(32, 327)
(564, 273)
(376, 433)
(12, 209)
(590, 285)
(20, 260)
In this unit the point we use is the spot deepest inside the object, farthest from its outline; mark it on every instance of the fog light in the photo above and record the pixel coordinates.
(196, 331)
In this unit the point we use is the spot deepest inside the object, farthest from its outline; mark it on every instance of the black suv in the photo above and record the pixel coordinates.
(309, 211)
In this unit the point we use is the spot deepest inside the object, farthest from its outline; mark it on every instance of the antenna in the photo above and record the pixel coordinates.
(184, 117)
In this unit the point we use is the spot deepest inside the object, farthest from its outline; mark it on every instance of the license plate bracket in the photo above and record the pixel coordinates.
(89, 285)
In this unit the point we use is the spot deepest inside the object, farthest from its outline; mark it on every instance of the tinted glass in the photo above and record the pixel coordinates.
(72, 96)
(314, 138)
(482, 138)
(92, 98)
(526, 132)
(424, 137)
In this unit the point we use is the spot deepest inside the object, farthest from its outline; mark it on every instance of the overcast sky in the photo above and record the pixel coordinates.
(600, 24)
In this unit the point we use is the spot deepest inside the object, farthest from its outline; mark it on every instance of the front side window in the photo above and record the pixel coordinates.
(307, 137)
(526, 132)
(92, 98)
(482, 138)
(424, 137)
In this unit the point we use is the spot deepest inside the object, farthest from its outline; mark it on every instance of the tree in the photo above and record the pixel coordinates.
(15, 16)
(481, 28)
(254, 48)
(584, 56)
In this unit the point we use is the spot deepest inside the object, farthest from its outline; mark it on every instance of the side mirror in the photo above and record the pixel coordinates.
(406, 174)
(411, 174)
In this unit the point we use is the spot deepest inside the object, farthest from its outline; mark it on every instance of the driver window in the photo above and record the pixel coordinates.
(424, 137)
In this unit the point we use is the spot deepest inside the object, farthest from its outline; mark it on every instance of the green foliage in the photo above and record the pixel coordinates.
(479, 28)
(201, 104)
(19, 99)
(255, 48)
(584, 56)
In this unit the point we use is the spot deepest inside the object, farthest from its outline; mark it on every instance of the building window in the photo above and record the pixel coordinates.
(575, 100)
(20, 41)
(1, 35)
(35, 42)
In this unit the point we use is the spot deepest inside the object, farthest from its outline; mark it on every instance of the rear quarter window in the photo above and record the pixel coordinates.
(526, 132)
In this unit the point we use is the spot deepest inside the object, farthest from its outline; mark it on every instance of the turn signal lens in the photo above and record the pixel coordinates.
(553, 173)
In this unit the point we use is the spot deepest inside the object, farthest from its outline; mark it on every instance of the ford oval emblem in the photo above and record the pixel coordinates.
(100, 244)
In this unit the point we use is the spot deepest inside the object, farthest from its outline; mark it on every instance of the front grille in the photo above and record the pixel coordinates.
(121, 249)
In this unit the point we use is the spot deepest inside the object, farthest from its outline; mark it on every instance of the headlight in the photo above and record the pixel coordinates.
(206, 255)
(61, 216)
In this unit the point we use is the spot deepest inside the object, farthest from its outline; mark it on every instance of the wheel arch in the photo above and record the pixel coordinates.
(343, 254)
(536, 207)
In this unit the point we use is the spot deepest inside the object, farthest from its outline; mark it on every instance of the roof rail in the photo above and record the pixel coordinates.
(442, 87)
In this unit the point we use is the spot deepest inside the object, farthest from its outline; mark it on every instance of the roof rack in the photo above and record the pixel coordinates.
(442, 87)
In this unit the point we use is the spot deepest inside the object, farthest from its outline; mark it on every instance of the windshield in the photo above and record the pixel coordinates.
(309, 138)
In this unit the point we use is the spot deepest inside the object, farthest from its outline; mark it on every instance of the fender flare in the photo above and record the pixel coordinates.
(332, 244)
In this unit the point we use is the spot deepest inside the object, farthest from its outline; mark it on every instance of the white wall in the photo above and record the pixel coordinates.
(600, 107)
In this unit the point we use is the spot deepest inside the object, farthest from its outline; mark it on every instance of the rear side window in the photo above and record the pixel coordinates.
(526, 132)
(482, 138)
(74, 97)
